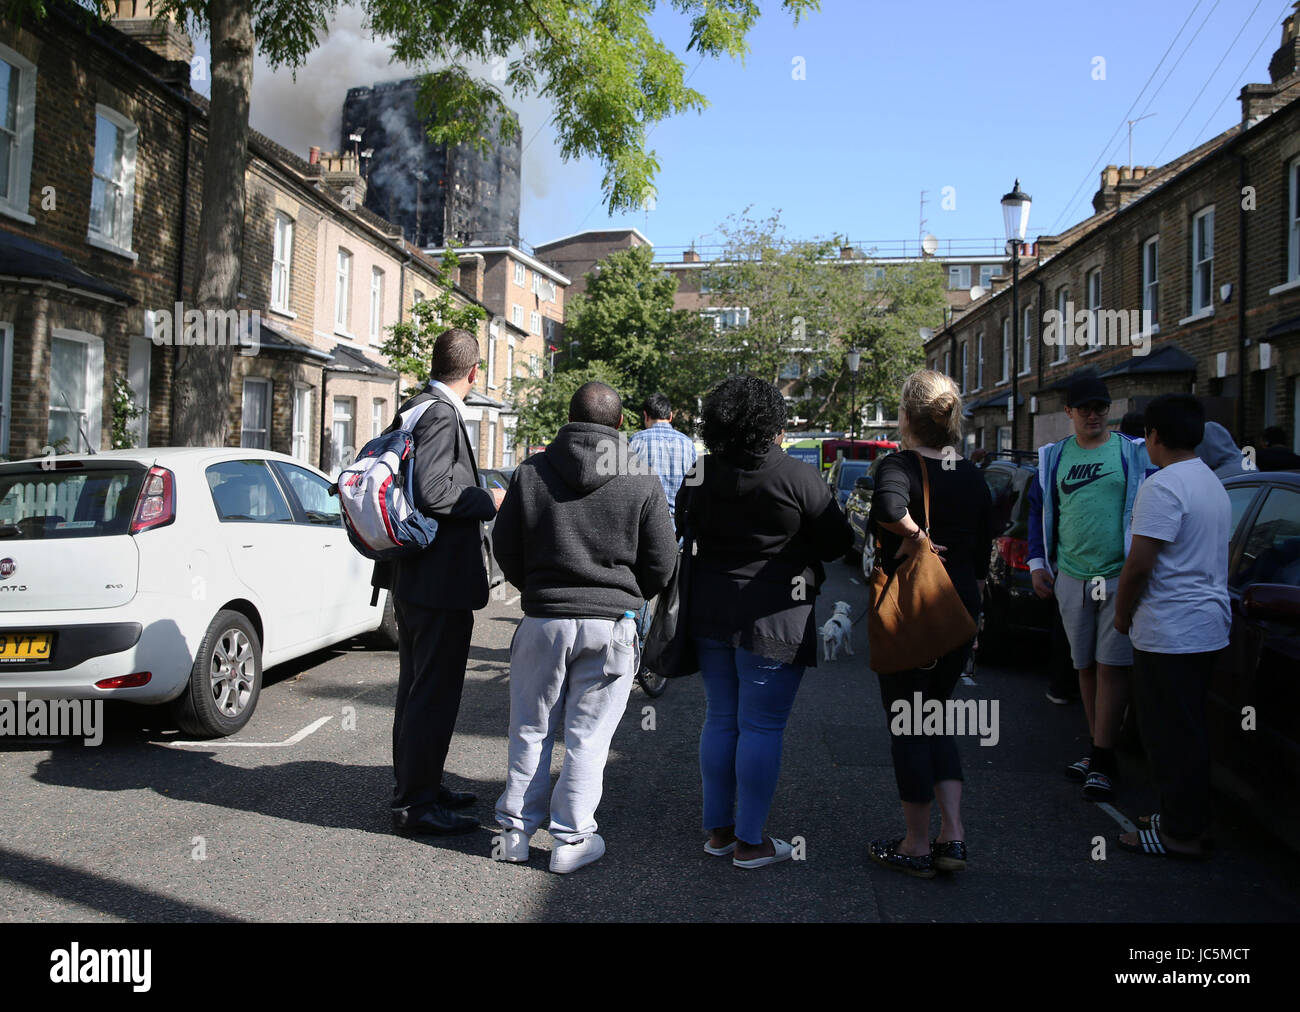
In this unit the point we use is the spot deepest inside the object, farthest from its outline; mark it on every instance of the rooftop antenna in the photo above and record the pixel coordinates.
(920, 230)
(1130, 135)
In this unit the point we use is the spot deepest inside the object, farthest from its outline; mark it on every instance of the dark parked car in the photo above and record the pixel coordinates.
(1011, 608)
(844, 473)
(858, 510)
(1255, 694)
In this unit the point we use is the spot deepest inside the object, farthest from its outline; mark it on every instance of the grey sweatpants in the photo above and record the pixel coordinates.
(558, 685)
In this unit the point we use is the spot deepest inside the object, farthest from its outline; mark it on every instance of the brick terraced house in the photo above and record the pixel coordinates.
(99, 206)
(1206, 246)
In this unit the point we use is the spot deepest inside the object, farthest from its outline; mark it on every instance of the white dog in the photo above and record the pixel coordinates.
(837, 632)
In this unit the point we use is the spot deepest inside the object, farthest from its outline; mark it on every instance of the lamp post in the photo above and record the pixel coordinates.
(854, 360)
(1015, 216)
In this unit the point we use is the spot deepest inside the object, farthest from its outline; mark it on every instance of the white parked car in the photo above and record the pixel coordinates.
(173, 574)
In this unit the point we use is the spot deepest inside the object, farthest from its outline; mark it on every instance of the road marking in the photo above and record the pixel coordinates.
(1118, 816)
(513, 600)
(292, 740)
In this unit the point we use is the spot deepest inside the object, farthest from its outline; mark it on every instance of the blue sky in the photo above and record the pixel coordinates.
(904, 97)
(897, 97)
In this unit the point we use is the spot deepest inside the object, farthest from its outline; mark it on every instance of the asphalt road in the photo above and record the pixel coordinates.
(143, 829)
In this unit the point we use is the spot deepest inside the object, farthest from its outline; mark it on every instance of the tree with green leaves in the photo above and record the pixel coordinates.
(903, 298)
(796, 307)
(409, 344)
(543, 401)
(609, 78)
(625, 319)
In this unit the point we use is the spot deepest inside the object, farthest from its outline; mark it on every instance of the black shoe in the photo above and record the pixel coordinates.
(1098, 787)
(885, 852)
(1077, 772)
(949, 856)
(455, 799)
(435, 821)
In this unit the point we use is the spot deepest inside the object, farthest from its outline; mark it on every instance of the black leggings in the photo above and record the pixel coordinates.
(921, 761)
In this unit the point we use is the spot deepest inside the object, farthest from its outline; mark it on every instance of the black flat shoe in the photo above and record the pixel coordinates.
(435, 821)
(949, 856)
(455, 799)
(885, 853)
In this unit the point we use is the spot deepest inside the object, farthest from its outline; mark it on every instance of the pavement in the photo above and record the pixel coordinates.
(288, 820)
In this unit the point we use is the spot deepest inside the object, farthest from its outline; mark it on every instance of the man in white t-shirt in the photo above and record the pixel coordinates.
(1173, 603)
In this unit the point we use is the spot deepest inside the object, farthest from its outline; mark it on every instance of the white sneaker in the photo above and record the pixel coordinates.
(782, 850)
(514, 847)
(567, 857)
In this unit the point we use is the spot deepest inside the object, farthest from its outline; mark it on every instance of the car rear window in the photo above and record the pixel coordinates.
(851, 473)
(41, 505)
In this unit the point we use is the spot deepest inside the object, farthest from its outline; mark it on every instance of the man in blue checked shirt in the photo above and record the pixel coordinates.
(669, 453)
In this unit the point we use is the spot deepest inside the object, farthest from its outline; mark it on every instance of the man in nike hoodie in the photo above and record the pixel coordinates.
(584, 533)
(1080, 510)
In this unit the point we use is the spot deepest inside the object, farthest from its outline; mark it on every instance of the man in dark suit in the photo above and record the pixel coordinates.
(436, 593)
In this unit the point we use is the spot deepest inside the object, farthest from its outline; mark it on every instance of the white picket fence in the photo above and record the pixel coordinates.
(54, 499)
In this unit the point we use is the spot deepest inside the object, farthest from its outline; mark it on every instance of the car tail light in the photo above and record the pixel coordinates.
(125, 681)
(157, 503)
(1014, 552)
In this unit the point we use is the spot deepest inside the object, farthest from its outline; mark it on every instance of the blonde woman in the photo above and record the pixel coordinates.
(927, 766)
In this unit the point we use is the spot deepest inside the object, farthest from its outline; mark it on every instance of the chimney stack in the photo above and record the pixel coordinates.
(1118, 185)
(1260, 100)
(691, 256)
(135, 18)
(341, 172)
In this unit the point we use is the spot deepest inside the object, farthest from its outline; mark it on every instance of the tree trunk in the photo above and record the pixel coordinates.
(201, 381)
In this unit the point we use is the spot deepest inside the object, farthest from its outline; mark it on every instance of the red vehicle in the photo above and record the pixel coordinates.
(855, 449)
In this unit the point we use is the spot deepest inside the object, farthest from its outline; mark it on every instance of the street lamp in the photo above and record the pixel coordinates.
(854, 360)
(1015, 216)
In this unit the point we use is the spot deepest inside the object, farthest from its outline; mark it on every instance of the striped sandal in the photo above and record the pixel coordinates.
(1149, 844)
(1152, 821)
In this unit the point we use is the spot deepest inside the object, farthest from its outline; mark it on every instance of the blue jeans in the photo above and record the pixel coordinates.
(749, 701)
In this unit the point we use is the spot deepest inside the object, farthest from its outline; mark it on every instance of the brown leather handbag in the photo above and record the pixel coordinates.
(916, 615)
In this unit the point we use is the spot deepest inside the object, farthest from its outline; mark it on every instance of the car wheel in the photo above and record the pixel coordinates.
(385, 637)
(225, 681)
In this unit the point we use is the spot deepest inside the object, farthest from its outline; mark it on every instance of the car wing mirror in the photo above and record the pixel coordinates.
(865, 484)
(1276, 602)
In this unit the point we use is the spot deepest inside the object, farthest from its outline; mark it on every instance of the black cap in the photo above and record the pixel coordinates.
(1085, 390)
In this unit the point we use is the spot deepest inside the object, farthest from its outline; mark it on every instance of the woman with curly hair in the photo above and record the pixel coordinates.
(762, 522)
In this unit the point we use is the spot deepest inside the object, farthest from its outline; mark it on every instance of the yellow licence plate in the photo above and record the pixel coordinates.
(25, 646)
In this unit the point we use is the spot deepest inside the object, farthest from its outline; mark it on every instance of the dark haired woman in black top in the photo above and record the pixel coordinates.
(926, 766)
(763, 522)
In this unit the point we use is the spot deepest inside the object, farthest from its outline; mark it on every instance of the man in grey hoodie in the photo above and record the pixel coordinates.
(584, 533)
(1220, 453)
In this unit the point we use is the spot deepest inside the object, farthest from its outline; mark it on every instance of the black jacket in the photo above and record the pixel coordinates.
(577, 537)
(449, 573)
(763, 526)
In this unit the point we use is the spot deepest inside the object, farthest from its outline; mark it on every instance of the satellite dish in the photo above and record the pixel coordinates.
(976, 292)
(926, 333)
(929, 244)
